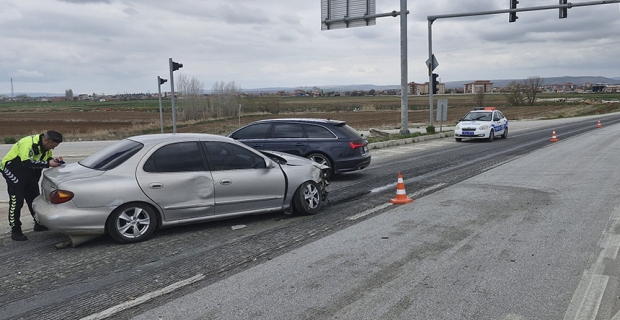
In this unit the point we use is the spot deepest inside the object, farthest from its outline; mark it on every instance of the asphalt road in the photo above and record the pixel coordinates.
(514, 229)
(534, 238)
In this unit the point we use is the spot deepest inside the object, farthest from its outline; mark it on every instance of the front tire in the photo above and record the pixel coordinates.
(131, 223)
(458, 139)
(307, 199)
(491, 136)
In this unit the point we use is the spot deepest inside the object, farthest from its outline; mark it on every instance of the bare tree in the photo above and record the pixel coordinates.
(69, 95)
(514, 94)
(192, 104)
(224, 99)
(530, 88)
(479, 98)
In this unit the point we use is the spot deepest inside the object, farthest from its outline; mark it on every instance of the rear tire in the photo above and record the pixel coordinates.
(131, 223)
(307, 199)
(322, 159)
(505, 134)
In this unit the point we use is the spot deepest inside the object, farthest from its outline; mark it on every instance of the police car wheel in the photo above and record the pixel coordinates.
(491, 135)
(505, 134)
(458, 139)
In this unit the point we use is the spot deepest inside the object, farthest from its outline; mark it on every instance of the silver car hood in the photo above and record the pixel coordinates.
(292, 160)
(71, 171)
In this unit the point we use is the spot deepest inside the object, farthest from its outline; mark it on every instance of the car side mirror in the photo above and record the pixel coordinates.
(270, 163)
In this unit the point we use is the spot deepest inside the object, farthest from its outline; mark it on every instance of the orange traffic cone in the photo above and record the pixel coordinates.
(401, 195)
(553, 137)
(598, 125)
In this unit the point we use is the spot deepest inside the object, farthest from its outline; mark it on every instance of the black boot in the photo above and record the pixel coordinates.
(17, 235)
(39, 227)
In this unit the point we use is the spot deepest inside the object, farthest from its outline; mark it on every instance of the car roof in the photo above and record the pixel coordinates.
(304, 120)
(158, 137)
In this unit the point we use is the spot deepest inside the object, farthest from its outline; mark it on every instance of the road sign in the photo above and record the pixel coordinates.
(334, 10)
(432, 64)
(442, 110)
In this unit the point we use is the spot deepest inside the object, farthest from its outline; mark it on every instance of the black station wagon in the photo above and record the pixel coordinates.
(329, 142)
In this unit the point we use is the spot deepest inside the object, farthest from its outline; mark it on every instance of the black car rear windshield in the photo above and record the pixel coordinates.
(112, 156)
(352, 133)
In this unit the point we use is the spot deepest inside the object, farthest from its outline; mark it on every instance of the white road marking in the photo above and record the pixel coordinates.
(129, 304)
(587, 298)
(383, 206)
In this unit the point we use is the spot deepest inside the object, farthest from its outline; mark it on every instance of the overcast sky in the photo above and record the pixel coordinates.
(114, 46)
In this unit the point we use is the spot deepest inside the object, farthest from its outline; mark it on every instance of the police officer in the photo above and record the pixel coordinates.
(21, 168)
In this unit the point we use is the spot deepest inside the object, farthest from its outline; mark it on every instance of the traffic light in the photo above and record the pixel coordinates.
(435, 83)
(162, 81)
(563, 11)
(513, 15)
(176, 66)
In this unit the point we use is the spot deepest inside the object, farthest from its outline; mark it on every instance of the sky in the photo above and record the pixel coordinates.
(122, 46)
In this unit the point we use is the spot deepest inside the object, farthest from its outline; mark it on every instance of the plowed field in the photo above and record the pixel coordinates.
(119, 123)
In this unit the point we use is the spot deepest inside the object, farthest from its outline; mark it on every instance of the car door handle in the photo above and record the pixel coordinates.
(225, 182)
(299, 144)
(156, 185)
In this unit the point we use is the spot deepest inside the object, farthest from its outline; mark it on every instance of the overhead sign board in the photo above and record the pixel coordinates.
(340, 14)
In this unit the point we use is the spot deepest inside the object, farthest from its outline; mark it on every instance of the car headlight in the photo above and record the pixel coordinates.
(458, 126)
(483, 127)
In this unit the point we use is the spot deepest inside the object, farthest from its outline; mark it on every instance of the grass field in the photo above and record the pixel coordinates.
(113, 120)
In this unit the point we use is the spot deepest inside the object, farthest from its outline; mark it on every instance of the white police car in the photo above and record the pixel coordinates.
(482, 123)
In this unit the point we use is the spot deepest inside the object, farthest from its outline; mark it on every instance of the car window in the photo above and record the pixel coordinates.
(228, 156)
(287, 130)
(314, 132)
(255, 131)
(112, 156)
(176, 157)
(501, 115)
(478, 116)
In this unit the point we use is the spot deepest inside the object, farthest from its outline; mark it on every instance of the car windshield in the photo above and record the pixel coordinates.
(478, 116)
(112, 156)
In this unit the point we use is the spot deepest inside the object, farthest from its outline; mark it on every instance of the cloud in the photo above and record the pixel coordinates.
(118, 46)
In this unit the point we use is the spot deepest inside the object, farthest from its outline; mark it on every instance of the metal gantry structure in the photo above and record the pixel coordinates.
(562, 7)
(337, 14)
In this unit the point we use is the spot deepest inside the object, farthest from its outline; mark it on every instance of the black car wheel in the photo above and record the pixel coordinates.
(505, 134)
(491, 135)
(131, 223)
(307, 198)
(458, 139)
(322, 159)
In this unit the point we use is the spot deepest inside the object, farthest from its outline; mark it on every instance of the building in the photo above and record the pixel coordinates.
(478, 86)
(417, 89)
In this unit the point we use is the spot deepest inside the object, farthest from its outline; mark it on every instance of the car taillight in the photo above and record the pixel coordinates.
(355, 145)
(60, 196)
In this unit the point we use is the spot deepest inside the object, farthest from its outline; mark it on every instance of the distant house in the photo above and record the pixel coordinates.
(417, 89)
(478, 86)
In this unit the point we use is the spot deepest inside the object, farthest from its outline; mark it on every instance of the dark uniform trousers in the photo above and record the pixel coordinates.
(23, 186)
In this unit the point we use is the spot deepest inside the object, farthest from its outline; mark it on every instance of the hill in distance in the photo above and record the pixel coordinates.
(449, 85)
(367, 87)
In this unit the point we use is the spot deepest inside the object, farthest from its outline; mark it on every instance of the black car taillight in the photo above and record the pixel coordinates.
(355, 145)
(60, 196)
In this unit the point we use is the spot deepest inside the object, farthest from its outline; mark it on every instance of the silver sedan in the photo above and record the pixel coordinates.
(146, 182)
